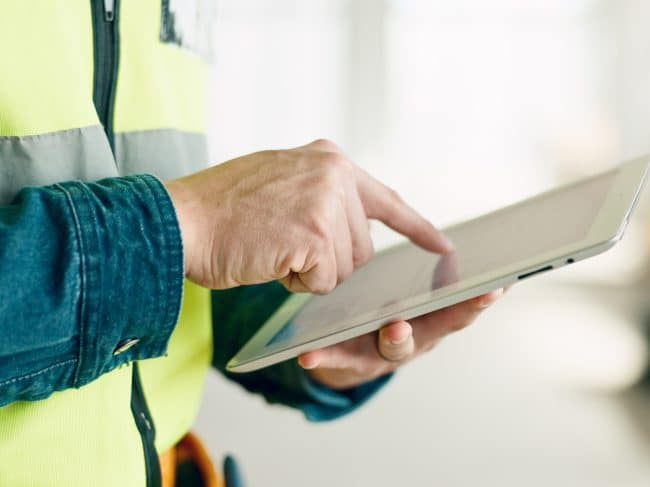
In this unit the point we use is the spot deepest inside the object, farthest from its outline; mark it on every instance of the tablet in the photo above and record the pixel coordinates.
(536, 235)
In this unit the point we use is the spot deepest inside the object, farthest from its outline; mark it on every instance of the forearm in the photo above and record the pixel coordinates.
(85, 269)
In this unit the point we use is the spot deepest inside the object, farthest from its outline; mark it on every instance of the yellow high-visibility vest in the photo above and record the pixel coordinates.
(92, 89)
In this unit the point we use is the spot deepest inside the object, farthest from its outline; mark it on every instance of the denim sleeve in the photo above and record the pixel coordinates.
(237, 315)
(91, 277)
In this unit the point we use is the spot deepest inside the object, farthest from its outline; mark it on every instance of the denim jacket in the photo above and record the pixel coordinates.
(87, 268)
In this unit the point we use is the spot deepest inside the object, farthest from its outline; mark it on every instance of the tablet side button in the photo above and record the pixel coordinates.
(537, 271)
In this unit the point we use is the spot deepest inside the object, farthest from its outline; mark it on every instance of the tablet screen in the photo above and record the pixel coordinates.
(483, 245)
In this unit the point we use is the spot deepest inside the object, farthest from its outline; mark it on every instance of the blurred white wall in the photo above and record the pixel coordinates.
(462, 106)
(279, 74)
(633, 70)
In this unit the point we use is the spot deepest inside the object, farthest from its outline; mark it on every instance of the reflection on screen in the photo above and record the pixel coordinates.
(484, 245)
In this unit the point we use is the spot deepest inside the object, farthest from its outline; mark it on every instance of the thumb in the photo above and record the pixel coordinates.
(395, 342)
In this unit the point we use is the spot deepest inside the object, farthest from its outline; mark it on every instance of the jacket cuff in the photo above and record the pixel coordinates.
(326, 404)
(131, 276)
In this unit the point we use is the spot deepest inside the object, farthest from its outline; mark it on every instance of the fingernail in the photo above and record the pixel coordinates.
(491, 298)
(307, 366)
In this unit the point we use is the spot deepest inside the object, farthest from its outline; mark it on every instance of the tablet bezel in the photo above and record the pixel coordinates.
(607, 229)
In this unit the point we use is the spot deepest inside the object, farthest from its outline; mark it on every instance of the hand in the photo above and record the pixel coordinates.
(299, 216)
(370, 356)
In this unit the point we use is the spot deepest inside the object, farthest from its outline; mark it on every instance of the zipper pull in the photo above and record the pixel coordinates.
(109, 10)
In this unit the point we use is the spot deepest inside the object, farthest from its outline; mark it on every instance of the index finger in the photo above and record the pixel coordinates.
(384, 204)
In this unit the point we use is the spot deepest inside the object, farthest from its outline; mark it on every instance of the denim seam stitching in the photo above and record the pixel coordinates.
(167, 313)
(170, 216)
(141, 180)
(94, 231)
(34, 374)
(166, 246)
(82, 265)
(176, 250)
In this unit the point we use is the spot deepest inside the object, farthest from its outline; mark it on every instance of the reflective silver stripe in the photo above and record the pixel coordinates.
(165, 153)
(81, 153)
(84, 154)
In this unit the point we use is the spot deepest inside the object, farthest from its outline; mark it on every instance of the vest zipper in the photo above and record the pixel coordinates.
(105, 15)
(147, 430)
(109, 10)
(106, 50)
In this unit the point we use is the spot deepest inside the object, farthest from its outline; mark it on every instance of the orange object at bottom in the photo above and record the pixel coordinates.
(189, 451)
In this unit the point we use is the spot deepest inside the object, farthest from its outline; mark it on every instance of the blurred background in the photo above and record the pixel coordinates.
(462, 107)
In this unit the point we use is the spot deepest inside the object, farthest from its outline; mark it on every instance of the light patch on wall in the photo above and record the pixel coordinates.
(188, 23)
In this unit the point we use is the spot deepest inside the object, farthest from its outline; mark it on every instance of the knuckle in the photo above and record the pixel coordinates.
(320, 229)
(335, 163)
(324, 286)
(359, 260)
(363, 256)
(328, 179)
(330, 286)
(321, 278)
(333, 174)
(325, 144)
(328, 200)
(290, 262)
(293, 283)
(344, 272)
(334, 194)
